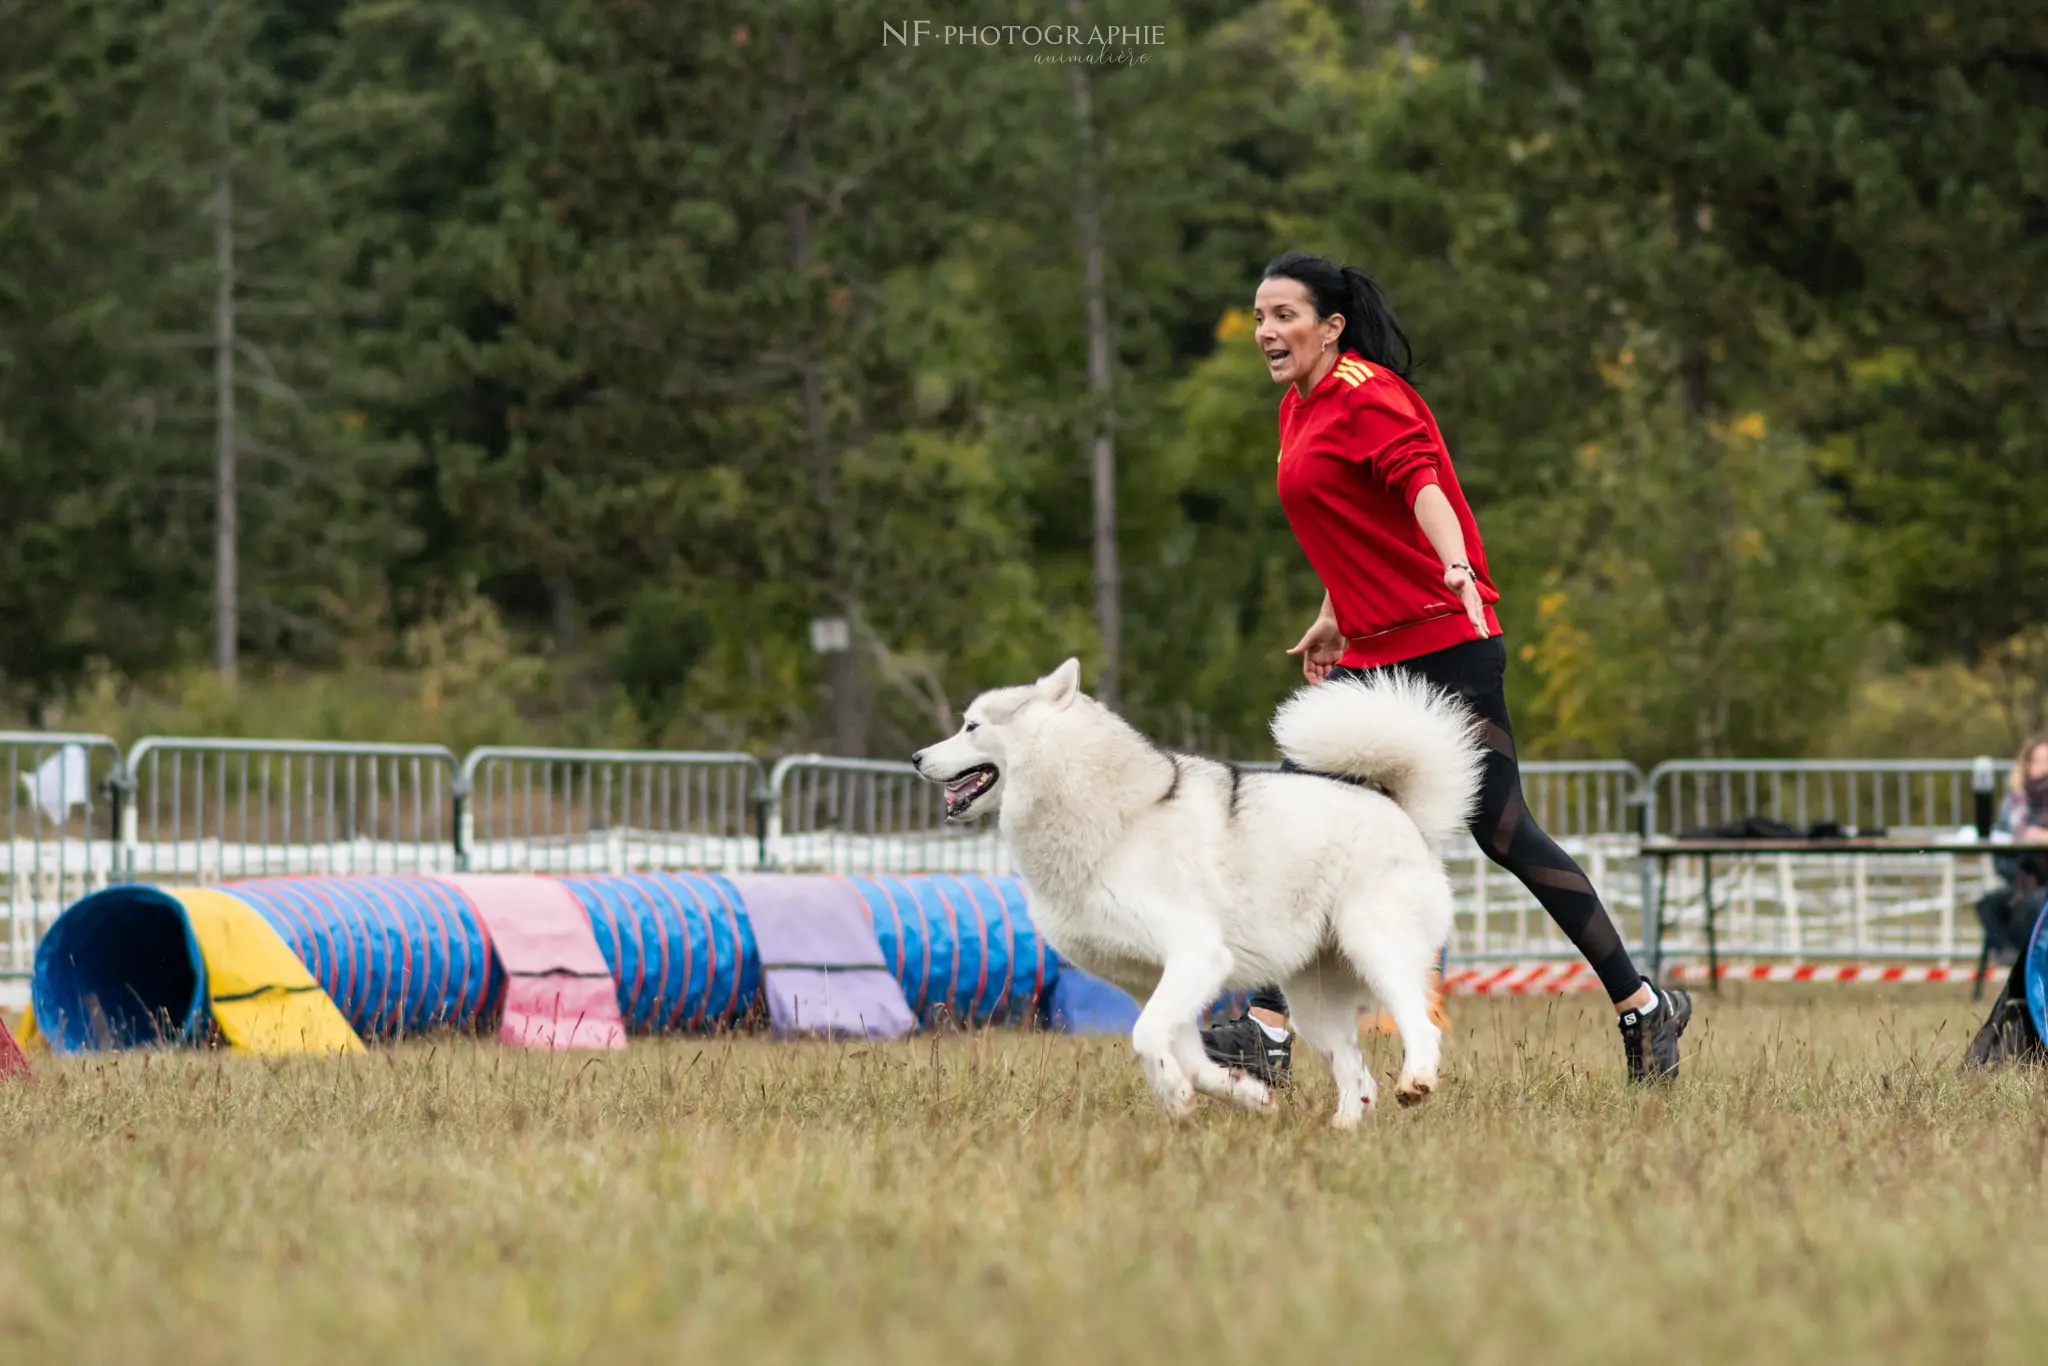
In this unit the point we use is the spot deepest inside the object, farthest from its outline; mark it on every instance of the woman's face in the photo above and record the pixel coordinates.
(2037, 763)
(1290, 336)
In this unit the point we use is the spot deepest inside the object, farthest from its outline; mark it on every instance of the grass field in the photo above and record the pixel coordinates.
(1822, 1187)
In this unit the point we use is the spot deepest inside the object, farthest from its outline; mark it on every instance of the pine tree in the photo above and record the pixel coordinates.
(225, 326)
(85, 571)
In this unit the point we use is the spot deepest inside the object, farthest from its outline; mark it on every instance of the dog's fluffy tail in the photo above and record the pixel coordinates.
(1418, 742)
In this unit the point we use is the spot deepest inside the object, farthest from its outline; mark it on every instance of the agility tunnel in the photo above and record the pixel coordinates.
(320, 963)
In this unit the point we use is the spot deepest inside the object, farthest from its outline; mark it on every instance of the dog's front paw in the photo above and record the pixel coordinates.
(1251, 1093)
(1176, 1093)
(1413, 1091)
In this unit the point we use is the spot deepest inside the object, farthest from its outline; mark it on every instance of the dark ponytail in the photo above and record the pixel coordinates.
(1370, 327)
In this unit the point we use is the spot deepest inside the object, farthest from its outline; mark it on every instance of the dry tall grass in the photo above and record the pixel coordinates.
(1822, 1187)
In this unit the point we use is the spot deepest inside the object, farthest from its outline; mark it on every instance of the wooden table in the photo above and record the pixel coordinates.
(1663, 851)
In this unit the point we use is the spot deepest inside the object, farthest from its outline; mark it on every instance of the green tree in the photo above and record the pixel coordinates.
(1834, 209)
(1659, 632)
(207, 282)
(85, 567)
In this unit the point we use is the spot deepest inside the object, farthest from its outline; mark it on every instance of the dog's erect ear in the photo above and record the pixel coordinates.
(1059, 686)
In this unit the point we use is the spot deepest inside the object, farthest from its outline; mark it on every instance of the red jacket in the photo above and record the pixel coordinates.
(1353, 455)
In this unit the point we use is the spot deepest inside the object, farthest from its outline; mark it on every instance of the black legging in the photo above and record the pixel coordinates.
(1503, 826)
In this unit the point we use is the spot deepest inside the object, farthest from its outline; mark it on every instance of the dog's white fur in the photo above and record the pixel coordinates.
(1178, 877)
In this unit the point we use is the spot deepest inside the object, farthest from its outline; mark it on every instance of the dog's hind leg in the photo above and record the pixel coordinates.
(1324, 1002)
(1421, 1042)
(1188, 982)
(1382, 936)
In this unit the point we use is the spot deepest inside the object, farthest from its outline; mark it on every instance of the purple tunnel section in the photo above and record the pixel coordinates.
(821, 968)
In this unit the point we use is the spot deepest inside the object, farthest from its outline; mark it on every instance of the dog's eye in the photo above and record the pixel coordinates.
(973, 725)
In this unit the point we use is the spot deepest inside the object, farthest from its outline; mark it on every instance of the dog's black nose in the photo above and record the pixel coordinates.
(917, 758)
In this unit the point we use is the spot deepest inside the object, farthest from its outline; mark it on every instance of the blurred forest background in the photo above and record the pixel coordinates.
(553, 365)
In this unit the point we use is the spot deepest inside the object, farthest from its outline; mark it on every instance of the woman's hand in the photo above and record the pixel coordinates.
(1460, 581)
(1320, 649)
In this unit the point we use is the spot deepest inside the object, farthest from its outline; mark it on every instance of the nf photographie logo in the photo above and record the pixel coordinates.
(1119, 43)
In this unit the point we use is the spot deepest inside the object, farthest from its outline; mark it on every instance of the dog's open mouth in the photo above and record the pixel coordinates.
(963, 791)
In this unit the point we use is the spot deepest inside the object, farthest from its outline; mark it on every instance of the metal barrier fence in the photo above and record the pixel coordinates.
(60, 832)
(1895, 907)
(1595, 799)
(1899, 795)
(610, 811)
(201, 810)
(79, 816)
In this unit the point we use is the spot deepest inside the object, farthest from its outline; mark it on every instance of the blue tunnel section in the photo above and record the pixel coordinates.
(399, 955)
(679, 947)
(964, 948)
(120, 969)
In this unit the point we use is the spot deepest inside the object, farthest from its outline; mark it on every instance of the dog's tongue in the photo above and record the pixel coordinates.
(962, 789)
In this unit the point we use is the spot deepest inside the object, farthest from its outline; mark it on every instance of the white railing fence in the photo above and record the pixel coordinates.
(80, 814)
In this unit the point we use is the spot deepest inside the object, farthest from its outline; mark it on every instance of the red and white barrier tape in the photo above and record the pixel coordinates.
(1520, 979)
(1826, 972)
(1531, 979)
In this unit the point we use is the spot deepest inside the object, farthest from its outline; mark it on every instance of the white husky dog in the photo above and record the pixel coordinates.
(1178, 877)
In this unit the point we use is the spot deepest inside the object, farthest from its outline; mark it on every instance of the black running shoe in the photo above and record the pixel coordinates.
(1242, 1045)
(1651, 1041)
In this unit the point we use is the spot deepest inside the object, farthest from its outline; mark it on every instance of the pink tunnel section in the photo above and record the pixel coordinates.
(559, 991)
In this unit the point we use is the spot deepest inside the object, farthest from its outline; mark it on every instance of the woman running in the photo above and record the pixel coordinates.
(1368, 488)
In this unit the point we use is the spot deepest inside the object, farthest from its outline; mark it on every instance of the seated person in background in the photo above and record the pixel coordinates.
(2009, 912)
